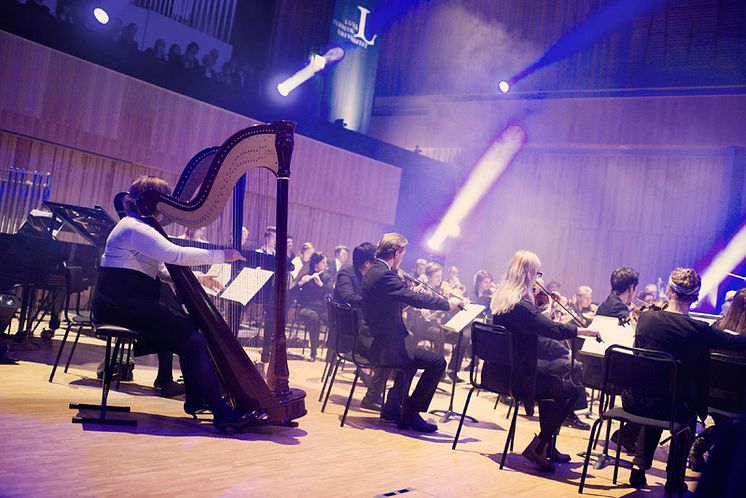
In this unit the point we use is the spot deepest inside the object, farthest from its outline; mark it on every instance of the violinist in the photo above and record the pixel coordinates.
(582, 306)
(128, 293)
(624, 283)
(689, 341)
(384, 296)
(484, 287)
(454, 282)
(426, 324)
(514, 307)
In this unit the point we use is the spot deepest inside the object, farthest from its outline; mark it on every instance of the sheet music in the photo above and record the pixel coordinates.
(222, 272)
(611, 333)
(464, 317)
(246, 285)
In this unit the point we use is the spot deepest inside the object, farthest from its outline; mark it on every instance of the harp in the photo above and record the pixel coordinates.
(199, 198)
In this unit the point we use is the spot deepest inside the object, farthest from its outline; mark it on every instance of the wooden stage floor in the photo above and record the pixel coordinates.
(44, 454)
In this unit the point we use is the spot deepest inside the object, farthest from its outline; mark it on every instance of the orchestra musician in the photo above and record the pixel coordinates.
(313, 289)
(348, 290)
(513, 307)
(384, 296)
(624, 281)
(270, 241)
(484, 287)
(426, 325)
(128, 294)
(454, 282)
(582, 306)
(689, 341)
(734, 321)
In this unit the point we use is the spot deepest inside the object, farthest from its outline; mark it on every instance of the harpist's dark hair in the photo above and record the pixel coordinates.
(142, 184)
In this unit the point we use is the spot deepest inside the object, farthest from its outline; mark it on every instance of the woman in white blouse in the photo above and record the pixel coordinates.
(128, 294)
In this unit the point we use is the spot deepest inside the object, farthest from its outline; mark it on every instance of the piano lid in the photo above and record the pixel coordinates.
(93, 224)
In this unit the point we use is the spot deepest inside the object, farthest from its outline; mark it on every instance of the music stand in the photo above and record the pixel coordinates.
(93, 224)
(459, 322)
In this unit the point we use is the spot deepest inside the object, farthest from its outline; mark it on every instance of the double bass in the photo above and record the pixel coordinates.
(201, 194)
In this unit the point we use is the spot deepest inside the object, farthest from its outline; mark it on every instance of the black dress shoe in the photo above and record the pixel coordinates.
(169, 389)
(637, 478)
(453, 378)
(389, 414)
(235, 421)
(675, 488)
(560, 457)
(415, 422)
(370, 405)
(573, 421)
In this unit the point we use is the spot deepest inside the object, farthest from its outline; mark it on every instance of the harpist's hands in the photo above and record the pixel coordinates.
(232, 255)
(211, 282)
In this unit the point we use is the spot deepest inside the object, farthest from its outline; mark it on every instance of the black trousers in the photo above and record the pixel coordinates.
(312, 320)
(556, 397)
(432, 366)
(132, 299)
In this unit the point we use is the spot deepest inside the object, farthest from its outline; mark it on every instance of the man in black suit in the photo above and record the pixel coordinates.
(624, 283)
(384, 296)
(349, 290)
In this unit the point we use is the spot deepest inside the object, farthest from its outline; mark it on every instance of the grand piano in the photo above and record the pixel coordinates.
(34, 259)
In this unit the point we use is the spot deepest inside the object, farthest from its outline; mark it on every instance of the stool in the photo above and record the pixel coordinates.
(122, 335)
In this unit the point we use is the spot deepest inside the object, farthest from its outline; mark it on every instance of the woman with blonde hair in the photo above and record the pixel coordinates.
(514, 308)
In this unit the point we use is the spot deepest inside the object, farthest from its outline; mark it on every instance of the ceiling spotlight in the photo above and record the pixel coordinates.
(504, 86)
(101, 15)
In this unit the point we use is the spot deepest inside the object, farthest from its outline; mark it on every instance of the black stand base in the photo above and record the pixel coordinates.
(102, 419)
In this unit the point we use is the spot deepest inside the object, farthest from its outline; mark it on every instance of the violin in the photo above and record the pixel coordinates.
(541, 296)
(636, 311)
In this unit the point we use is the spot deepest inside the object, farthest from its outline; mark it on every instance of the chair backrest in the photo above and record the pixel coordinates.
(347, 322)
(646, 373)
(493, 345)
(727, 386)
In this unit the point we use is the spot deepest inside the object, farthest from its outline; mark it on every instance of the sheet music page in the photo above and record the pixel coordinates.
(464, 317)
(222, 272)
(246, 285)
(611, 333)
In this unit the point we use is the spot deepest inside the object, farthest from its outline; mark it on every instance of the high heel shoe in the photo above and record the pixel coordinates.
(193, 408)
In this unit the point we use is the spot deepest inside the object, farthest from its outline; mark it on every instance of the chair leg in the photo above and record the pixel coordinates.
(596, 426)
(59, 353)
(463, 415)
(72, 349)
(511, 434)
(618, 452)
(497, 400)
(325, 377)
(331, 383)
(510, 407)
(109, 362)
(349, 398)
(120, 345)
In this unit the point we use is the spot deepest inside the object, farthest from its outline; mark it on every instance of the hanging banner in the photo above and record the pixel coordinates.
(350, 84)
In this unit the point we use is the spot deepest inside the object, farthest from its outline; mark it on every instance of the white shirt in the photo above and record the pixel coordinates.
(135, 245)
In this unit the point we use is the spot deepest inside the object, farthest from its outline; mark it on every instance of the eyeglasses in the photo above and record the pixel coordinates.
(539, 274)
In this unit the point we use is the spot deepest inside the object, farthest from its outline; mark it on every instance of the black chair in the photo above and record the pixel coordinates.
(330, 350)
(493, 345)
(74, 285)
(727, 388)
(649, 374)
(122, 335)
(347, 323)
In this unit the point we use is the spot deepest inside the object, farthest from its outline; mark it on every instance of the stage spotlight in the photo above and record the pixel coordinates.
(722, 265)
(101, 15)
(504, 86)
(485, 173)
(317, 64)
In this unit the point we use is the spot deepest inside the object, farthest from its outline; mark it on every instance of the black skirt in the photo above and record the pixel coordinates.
(132, 299)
